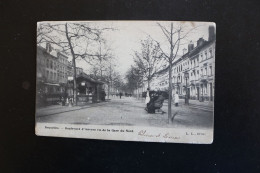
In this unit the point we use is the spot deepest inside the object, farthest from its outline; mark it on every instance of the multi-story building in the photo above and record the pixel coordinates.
(62, 67)
(70, 69)
(47, 72)
(52, 74)
(163, 84)
(198, 63)
(53, 70)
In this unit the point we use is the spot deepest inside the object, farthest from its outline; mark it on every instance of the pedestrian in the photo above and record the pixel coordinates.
(103, 95)
(176, 99)
(120, 94)
(147, 98)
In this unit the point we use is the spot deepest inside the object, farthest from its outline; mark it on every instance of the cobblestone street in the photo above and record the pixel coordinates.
(127, 111)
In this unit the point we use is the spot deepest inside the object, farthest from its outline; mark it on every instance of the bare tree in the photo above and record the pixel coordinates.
(111, 75)
(149, 60)
(174, 36)
(103, 57)
(134, 78)
(118, 83)
(74, 39)
(42, 33)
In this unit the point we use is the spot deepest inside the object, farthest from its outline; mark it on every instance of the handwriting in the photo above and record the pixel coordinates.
(166, 135)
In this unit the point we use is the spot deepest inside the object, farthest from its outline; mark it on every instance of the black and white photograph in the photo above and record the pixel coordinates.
(150, 81)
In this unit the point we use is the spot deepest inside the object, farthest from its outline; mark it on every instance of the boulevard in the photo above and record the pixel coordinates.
(128, 111)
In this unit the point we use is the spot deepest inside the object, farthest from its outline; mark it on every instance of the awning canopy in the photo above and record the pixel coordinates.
(87, 78)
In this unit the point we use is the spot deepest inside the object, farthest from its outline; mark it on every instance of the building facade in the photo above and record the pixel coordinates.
(52, 74)
(47, 71)
(193, 72)
(63, 64)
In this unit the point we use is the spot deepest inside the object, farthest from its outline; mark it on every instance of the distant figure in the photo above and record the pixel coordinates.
(120, 94)
(176, 99)
(147, 98)
(103, 95)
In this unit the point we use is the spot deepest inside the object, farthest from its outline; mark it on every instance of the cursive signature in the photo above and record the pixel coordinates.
(144, 133)
(165, 135)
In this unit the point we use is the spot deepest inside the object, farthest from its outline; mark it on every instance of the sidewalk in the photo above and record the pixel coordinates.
(55, 109)
(196, 102)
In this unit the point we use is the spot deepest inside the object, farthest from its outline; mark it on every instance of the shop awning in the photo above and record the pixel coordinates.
(87, 78)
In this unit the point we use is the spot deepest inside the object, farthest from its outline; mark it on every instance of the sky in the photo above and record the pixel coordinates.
(128, 34)
(126, 37)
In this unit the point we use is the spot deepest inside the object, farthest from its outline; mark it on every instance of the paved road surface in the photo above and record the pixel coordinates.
(130, 111)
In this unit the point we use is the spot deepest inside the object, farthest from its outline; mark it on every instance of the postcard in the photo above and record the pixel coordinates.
(149, 81)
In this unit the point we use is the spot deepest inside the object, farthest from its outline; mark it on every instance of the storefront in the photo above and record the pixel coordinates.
(88, 90)
(47, 93)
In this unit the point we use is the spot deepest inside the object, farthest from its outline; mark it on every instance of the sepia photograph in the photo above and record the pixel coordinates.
(150, 81)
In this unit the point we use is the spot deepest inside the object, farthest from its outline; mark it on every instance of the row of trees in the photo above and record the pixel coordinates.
(82, 41)
(155, 59)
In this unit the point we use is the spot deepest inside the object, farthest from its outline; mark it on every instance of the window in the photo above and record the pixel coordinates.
(201, 57)
(210, 70)
(206, 55)
(47, 74)
(206, 72)
(210, 53)
(47, 62)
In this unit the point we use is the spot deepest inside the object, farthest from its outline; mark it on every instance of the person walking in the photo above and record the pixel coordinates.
(120, 94)
(103, 95)
(176, 99)
(147, 98)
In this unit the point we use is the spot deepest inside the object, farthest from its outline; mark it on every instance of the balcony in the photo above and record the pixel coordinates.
(192, 82)
(203, 78)
(176, 83)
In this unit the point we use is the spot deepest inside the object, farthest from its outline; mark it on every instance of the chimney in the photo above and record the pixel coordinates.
(190, 46)
(212, 34)
(184, 51)
(200, 41)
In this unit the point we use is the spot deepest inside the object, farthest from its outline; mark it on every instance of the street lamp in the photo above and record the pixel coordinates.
(186, 75)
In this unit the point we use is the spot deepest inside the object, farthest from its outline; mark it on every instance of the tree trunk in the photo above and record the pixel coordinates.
(108, 90)
(74, 82)
(73, 64)
(170, 79)
(170, 95)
